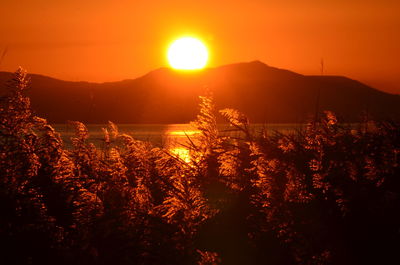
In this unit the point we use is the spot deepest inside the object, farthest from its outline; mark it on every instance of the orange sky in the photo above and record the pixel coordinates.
(113, 40)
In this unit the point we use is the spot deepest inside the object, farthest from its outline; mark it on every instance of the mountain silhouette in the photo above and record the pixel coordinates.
(262, 92)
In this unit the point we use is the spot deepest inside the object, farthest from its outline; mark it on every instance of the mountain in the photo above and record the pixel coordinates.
(262, 92)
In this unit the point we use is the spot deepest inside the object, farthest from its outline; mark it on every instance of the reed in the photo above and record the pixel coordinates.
(328, 194)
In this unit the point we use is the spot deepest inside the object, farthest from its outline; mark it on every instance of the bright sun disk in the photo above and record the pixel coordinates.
(187, 53)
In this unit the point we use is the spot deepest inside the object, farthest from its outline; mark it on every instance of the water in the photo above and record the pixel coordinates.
(157, 134)
(163, 134)
(173, 137)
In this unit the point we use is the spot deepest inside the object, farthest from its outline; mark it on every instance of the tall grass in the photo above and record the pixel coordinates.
(324, 195)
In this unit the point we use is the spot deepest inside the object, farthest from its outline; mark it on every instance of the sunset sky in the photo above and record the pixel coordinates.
(113, 40)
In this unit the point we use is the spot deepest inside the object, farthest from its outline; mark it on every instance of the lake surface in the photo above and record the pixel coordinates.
(172, 137)
(164, 134)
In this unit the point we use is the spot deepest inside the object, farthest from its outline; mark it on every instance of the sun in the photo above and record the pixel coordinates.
(187, 53)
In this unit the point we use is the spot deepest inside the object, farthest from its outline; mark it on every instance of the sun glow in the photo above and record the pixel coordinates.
(187, 53)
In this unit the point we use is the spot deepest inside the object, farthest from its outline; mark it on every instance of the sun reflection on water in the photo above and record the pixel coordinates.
(177, 138)
(182, 133)
(182, 153)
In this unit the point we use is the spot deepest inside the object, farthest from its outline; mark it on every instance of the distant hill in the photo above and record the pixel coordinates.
(263, 93)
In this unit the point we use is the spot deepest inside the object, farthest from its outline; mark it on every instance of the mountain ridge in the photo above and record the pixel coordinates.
(262, 92)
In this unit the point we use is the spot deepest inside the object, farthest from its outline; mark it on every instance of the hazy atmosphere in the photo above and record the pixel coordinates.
(199, 133)
(110, 41)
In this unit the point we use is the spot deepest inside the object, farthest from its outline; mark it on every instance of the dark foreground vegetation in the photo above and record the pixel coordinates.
(325, 195)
